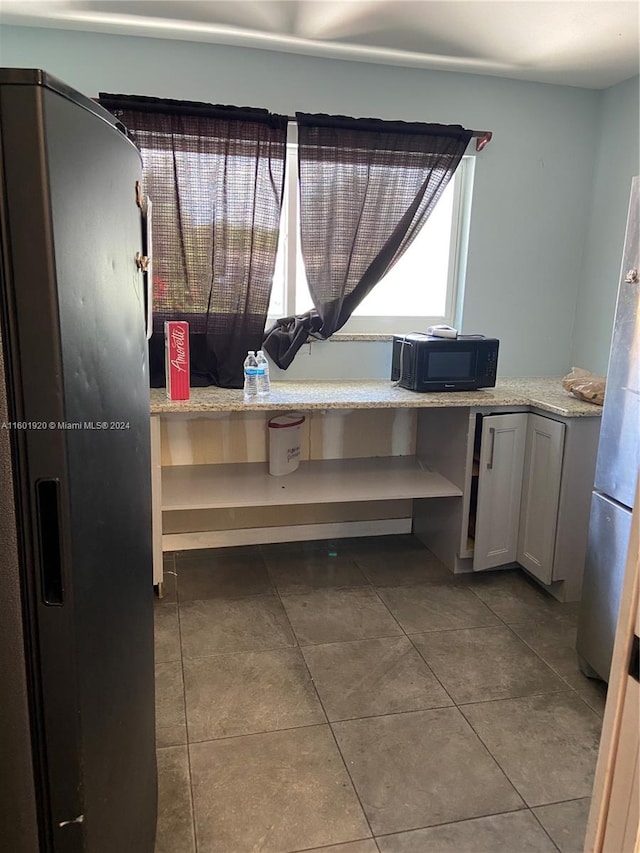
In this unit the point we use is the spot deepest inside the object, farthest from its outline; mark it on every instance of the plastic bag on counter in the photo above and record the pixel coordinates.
(585, 385)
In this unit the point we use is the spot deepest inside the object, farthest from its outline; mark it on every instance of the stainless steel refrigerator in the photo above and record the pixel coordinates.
(616, 468)
(77, 767)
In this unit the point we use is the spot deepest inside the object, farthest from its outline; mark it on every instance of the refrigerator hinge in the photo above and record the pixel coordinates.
(142, 262)
(79, 819)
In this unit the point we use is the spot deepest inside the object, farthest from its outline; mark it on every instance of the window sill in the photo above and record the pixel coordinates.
(341, 337)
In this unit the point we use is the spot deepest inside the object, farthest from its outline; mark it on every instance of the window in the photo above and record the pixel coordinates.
(423, 288)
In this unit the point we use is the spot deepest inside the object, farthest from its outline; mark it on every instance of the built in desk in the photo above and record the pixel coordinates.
(376, 459)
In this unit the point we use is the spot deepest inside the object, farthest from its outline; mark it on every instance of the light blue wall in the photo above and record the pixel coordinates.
(618, 160)
(533, 183)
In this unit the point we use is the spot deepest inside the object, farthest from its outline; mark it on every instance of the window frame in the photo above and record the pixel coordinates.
(463, 181)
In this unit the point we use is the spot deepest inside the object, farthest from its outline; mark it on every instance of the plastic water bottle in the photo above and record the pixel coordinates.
(250, 376)
(264, 383)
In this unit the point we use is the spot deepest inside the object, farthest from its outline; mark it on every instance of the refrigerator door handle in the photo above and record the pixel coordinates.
(50, 545)
(634, 660)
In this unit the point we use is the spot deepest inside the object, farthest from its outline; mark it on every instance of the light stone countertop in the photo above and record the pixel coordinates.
(546, 394)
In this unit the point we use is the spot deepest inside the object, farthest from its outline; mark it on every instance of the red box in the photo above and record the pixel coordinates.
(176, 342)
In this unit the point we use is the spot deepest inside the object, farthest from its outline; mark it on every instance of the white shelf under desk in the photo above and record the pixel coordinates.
(207, 494)
(319, 481)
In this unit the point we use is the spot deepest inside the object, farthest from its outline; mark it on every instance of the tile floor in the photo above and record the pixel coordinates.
(355, 697)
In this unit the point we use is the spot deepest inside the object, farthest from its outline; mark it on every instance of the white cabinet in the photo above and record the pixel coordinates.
(534, 477)
(540, 496)
(501, 461)
(519, 477)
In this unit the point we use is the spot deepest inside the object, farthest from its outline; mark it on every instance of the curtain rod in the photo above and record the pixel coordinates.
(482, 137)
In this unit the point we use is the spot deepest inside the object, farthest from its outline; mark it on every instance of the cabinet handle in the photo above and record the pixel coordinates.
(492, 433)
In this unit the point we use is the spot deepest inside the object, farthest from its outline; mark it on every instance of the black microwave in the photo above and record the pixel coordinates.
(425, 363)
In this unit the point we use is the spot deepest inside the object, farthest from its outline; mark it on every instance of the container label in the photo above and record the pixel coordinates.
(293, 453)
(176, 335)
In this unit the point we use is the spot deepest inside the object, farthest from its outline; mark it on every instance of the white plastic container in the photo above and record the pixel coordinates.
(284, 443)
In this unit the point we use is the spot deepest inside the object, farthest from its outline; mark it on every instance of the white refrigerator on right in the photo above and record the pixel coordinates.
(616, 468)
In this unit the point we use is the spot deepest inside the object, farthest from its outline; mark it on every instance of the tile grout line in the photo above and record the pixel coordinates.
(493, 757)
(559, 674)
(560, 802)
(353, 784)
(223, 654)
(544, 829)
(461, 705)
(484, 701)
(524, 808)
(297, 644)
(186, 724)
(443, 687)
(561, 691)
(328, 723)
(506, 625)
(262, 732)
(336, 846)
(490, 754)
(536, 653)
(408, 636)
(376, 592)
(495, 699)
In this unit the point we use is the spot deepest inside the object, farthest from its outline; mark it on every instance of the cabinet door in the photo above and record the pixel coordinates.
(499, 490)
(540, 495)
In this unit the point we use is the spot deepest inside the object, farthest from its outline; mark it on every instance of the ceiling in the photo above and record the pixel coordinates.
(589, 43)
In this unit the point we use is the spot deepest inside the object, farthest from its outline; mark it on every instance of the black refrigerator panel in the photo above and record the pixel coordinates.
(73, 318)
(619, 447)
(18, 807)
(609, 530)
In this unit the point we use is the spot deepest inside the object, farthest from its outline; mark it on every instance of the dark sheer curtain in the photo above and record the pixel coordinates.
(215, 177)
(366, 188)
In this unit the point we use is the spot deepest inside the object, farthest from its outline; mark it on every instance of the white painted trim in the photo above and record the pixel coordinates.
(292, 533)
(462, 183)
